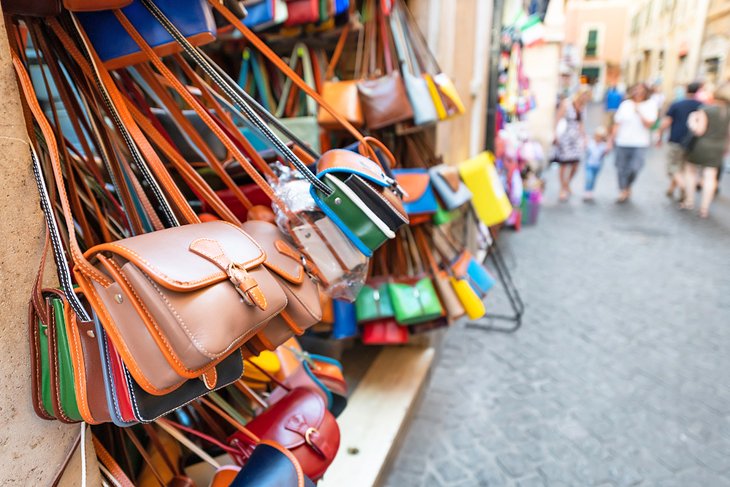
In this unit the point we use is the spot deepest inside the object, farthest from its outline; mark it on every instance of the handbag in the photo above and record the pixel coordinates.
(302, 12)
(384, 332)
(420, 199)
(444, 95)
(263, 14)
(489, 199)
(472, 303)
(419, 96)
(450, 301)
(466, 267)
(303, 307)
(345, 324)
(304, 125)
(383, 98)
(448, 184)
(341, 95)
(117, 49)
(373, 301)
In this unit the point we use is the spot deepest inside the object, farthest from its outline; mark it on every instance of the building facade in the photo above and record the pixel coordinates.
(594, 45)
(714, 58)
(665, 42)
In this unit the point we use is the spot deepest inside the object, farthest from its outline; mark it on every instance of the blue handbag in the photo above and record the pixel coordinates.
(270, 465)
(345, 324)
(465, 266)
(449, 186)
(419, 199)
(341, 6)
(265, 13)
(194, 18)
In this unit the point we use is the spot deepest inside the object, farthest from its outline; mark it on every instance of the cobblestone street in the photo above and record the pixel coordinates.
(620, 375)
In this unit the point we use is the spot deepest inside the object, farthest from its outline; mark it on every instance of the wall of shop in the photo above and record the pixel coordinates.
(458, 33)
(31, 449)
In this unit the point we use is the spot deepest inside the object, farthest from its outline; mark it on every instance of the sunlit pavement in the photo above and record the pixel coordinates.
(621, 373)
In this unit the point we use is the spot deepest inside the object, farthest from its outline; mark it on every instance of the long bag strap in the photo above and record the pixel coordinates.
(134, 139)
(252, 116)
(299, 53)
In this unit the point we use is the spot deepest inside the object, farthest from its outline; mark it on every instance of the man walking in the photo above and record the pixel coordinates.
(676, 120)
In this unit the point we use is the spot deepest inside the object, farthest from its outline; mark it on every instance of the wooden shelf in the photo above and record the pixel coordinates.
(377, 415)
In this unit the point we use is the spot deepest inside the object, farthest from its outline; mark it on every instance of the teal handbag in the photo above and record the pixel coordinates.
(374, 302)
(415, 303)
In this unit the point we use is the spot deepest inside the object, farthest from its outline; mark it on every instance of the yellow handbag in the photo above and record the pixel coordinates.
(452, 103)
(489, 198)
(435, 96)
(267, 361)
(473, 306)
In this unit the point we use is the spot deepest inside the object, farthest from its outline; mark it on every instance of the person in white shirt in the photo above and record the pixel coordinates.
(632, 137)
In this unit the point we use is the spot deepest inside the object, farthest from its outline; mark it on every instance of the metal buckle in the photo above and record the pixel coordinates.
(232, 270)
(308, 436)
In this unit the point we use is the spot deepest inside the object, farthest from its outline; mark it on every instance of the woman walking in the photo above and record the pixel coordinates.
(570, 137)
(710, 126)
(632, 137)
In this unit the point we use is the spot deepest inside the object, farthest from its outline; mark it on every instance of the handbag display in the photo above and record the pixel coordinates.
(384, 332)
(264, 14)
(116, 48)
(383, 98)
(468, 268)
(302, 12)
(448, 184)
(450, 301)
(345, 324)
(373, 302)
(489, 199)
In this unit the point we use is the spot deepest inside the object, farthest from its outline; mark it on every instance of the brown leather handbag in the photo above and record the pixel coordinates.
(154, 292)
(383, 98)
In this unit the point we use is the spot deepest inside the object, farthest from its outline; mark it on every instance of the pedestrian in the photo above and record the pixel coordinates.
(709, 125)
(570, 137)
(632, 137)
(676, 121)
(595, 153)
(614, 97)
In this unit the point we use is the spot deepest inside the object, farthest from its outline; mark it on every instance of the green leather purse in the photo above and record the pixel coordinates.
(415, 303)
(373, 303)
(58, 393)
(444, 216)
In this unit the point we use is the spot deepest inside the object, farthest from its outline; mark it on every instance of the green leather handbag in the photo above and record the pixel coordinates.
(444, 216)
(373, 303)
(58, 394)
(415, 303)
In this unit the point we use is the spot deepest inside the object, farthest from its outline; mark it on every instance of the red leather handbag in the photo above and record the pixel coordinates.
(301, 423)
(384, 332)
(302, 12)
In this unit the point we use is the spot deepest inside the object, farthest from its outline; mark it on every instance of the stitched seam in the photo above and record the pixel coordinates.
(39, 383)
(112, 392)
(55, 383)
(78, 362)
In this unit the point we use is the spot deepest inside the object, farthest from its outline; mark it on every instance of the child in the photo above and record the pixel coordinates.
(595, 153)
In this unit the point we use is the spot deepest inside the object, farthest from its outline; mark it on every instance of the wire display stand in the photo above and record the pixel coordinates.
(504, 276)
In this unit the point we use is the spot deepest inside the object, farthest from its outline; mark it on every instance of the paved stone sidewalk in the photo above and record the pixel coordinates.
(620, 375)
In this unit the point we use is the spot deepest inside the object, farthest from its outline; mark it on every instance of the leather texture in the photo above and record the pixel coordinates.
(376, 200)
(449, 186)
(115, 391)
(301, 423)
(424, 111)
(33, 8)
(117, 49)
(62, 375)
(155, 304)
(415, 301)
(93, 5)
(373, 302)
(270, 466)
(343, 97)
(384, 331)
(384, 101)
(345, 324)
(420, 198)
(489, 199)
(38, 341)
(473, 304)
(302, 12)
(285, 263)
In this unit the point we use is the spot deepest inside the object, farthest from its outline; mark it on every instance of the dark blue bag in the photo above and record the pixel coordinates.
(117, 49)
(345, 325)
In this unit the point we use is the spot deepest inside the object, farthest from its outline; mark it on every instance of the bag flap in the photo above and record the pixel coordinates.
(300, 405)
(341, 160)
(451, 176)
(168, 258)
(461, 264)
(414, 182)
(281, 258)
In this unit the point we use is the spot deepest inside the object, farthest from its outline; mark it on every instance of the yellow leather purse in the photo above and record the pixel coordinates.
(473, 305)
(489, 198)
(267, 361)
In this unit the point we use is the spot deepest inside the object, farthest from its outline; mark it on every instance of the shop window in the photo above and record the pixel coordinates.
(590, 75)
(592, 43)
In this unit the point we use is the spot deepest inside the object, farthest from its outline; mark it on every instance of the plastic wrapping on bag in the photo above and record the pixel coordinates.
(336, 262)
